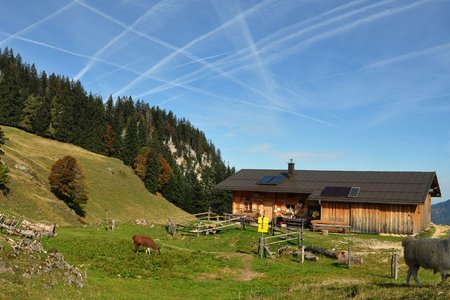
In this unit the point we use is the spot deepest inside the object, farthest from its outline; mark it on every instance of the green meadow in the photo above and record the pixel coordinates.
(221, 266)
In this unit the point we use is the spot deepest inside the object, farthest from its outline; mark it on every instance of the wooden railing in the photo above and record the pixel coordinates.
(331, 226)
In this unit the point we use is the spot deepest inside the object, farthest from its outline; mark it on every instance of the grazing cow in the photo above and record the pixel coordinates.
(145, 241)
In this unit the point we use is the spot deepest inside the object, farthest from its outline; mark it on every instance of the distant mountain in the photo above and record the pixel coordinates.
(440, 213)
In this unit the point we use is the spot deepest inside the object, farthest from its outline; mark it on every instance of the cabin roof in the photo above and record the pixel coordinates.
(374, 186)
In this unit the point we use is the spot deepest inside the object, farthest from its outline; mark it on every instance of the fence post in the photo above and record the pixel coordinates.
(242, 223)
(302, 230)
(349, 257)
(261, 247)
(303, 254)
(394, 265)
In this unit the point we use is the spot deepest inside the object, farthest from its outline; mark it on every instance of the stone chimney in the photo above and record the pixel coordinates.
(291, 168)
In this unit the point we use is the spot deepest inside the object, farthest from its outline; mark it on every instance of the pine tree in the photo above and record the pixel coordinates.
(152, 173)
(29, 113)
(108, 139)
(43, 118)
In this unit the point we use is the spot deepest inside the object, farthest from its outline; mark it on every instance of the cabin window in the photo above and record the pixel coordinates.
(248, 206)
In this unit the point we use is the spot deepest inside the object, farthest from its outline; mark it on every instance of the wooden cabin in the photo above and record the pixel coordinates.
(368, 201)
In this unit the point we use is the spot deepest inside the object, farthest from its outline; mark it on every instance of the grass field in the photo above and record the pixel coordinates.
(222, 266)
(111, 184)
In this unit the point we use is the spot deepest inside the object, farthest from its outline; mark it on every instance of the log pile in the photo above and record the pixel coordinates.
(16, 226)
(343, 257)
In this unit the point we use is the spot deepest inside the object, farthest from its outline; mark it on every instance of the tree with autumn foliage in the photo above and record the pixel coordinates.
(165, 172)
(67, 182)
(153, 169)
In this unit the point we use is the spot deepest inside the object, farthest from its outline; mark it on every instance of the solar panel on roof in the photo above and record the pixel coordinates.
(277, 179)
(271, 180)
(335, 191)
(264, 180)
(354, 191)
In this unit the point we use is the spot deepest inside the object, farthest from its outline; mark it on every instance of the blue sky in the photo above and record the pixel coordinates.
(334, 85)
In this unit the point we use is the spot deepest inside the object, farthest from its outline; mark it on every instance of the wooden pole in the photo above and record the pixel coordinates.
(303, 254)
(302, 230)
(396, 266)
(349, 257)
(261, 246)
(392, 263)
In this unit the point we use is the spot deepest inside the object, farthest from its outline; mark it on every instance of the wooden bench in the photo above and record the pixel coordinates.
(338, 227)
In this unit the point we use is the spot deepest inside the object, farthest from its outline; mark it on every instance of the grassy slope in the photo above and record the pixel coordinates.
(223, 266)
(111, 185)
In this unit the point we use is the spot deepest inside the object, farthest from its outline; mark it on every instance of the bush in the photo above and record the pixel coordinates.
(67, 183)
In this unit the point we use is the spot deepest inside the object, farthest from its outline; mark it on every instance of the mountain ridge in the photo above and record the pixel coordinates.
(440, 213)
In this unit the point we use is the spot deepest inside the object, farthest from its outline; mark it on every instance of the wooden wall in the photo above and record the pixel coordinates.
(362, 217)
(258, 202)
(379, 218)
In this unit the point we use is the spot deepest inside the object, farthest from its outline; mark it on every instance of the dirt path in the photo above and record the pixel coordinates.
(440, 230)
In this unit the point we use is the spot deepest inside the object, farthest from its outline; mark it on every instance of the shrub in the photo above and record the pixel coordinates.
(67, 183)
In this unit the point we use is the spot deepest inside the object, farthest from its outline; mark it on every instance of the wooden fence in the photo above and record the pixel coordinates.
(19, 226)
(279, 237)
(208, 223)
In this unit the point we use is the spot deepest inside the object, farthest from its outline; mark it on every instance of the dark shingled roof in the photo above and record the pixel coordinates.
(375, 187)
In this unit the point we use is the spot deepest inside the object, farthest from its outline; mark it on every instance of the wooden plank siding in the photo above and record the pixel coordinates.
(379, 218)
(257, 202)
(362, 217)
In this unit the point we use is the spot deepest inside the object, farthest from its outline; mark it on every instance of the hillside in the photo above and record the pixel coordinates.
(170, 155)
(111, 184)
(440, 213)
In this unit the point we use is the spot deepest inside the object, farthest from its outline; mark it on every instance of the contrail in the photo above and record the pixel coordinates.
(324, 23)
(192, 89)
(407, 56)
(268, 81)
(152, 39)
(384, 62)
(267, 44)
(190, 44)
(106, 74)
(195, 61)
(280, 34)
(231, 59)
(113, 41)
(15, 35)
(326, 34)
(349, 26)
